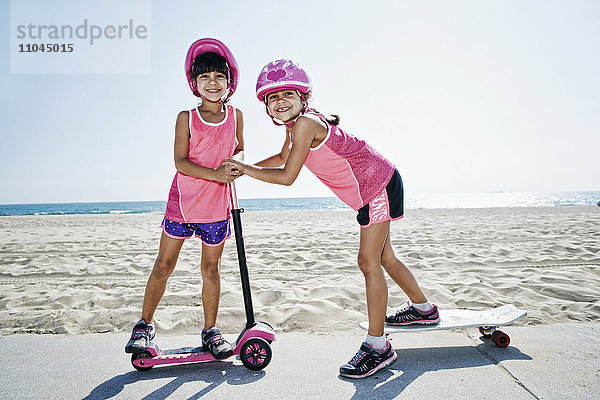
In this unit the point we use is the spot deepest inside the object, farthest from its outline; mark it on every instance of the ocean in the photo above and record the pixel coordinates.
(430, 201)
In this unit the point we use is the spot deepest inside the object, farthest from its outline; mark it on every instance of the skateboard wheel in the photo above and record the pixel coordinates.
(501, 339)
(137, 356)
(484, 332)
(256, 354)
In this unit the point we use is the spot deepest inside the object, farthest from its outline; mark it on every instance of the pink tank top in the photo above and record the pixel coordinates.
(195, 200)
(352, 169)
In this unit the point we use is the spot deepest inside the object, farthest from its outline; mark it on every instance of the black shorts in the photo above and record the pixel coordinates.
(387, 206)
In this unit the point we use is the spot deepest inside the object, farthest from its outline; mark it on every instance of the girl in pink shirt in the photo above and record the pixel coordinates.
(198, 201)
(360, 177)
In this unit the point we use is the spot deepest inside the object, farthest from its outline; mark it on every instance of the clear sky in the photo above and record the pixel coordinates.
(463, 96)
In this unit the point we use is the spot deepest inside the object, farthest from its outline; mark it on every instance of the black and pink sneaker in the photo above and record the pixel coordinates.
(214, 342)
(411, 316)
(368, 361)
(141, 337)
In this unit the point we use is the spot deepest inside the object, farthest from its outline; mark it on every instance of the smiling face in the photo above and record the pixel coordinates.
(284, 105)
(212, 85)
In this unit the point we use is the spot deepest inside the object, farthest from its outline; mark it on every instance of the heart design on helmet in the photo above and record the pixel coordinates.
(276, 75)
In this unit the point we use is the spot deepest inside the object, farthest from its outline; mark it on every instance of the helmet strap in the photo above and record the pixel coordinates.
(226, 96)
(223, 100)
(275, 121)
(304, 102)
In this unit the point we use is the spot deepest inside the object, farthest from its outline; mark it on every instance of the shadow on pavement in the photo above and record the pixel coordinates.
(412, 363)
(212, 373)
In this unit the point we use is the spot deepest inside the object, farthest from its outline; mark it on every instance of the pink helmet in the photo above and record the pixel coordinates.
(281, 74)
(205, 45)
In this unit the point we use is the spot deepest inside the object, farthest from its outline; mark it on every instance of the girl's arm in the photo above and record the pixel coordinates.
(225, 173)
(238, 153)
(305, 131)
(277, 160)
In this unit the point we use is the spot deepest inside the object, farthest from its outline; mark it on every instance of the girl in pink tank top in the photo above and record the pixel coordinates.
(360, 177)
(198, 202)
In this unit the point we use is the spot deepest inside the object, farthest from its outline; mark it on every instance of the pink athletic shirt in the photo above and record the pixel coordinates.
(352, 169)
(195, 200)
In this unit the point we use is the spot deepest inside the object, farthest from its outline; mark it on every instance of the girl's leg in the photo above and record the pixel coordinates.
(401, 274)
(210, 267)
(372, 240)
(166, 260)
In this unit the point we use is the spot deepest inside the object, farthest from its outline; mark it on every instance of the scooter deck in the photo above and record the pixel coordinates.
(183, 350)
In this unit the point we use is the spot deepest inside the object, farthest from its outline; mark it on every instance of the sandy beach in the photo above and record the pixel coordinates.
(82, 274)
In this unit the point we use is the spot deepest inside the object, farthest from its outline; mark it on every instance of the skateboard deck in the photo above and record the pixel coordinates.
(486, 320)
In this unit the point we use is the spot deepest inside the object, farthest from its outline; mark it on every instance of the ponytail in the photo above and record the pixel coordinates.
(332, 119)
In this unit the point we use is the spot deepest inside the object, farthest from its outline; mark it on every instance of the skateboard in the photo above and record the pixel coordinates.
(487, 321)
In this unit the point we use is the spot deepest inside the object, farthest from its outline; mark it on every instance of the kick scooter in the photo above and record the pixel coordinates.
(252, 345)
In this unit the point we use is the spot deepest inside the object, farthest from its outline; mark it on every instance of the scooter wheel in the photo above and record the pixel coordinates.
(137, 356)
(256, 354)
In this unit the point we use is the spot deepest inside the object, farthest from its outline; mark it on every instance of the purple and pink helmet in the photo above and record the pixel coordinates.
(279, 75)
(213, 45)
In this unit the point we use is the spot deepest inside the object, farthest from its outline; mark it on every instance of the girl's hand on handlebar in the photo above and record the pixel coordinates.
(227, 172)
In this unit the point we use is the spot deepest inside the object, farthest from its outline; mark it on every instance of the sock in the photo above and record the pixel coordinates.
(423, 307)
(377, 342)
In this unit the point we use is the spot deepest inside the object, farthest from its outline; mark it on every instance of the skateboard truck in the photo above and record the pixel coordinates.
(499, 338)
